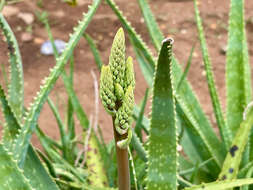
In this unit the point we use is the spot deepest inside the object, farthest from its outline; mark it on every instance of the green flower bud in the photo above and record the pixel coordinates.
(124, 113)
(129, 73)
(117, 57)
(117, 83)
(107, 90)
(119, 91)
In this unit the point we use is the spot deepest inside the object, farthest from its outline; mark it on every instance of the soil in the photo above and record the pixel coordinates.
(175, 19)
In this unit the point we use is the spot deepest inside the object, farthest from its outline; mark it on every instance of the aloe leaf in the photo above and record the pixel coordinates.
(11, 177)
(221, 184)
(138, 147)
(94, 51)
(197, 144)
(97, 176)
(224, 130)
(24, 137)
(243, 171)
(58, 159)
(138, 125)
(36, 173)
(154, 31)
(33, 169)
(187, 68)
(48, 163)
(47, 139)
(16, 84)
(11, 126)
(233, 159)
(61, 127)
(192, 167)
(133, 171)
(66, 139)
(248, 175)
(146, 69)
(51, 38)
(80, 113)
(162, 150)
(71, 135)
(237, 67)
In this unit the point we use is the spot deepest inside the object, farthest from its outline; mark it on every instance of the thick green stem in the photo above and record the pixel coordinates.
(123, 163)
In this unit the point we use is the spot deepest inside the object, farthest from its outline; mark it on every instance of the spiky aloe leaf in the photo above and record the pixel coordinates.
(97, 176)
(248, 175)
(187, 68)
(162, 150)
(221, 184)
(36, 173)
(16, 84)
(224, 130)
(11, 126)
(11, 177)
(13, 108)
(138, 125)
(197, 144)
(60, 126)
(24, 137)
(233, 159)
(237, 67)
(154, 31)
(94, 50)
(139, 148)
(33, 169)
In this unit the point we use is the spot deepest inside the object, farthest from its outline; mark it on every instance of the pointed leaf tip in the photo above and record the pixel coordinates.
(120, 33)
(168, 40)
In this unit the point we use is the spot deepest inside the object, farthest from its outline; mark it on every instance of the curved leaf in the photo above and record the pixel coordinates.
(162, 149)
(238, 78)
(16, 84)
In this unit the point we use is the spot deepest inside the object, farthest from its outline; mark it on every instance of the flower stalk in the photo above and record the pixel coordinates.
(116, 92)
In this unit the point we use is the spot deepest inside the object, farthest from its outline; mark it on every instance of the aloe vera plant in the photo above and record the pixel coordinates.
(176, 118)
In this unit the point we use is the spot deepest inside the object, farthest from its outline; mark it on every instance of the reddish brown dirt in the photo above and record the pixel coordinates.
(175, 19)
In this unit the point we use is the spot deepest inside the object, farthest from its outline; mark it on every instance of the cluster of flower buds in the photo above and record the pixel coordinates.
(117, 84)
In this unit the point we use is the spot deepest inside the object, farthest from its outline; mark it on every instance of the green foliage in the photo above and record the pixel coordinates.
(237, 67)
(156, 162)
(224, 130)
(97, 176)
(162, 169)
(15, 178)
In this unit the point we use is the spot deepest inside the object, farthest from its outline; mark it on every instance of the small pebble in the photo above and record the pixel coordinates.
(213, 26)
(59, 13)
(28, 18)
(38, 40)
(195, 54)
(183, 31)
(47, 48)
(26, 37)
